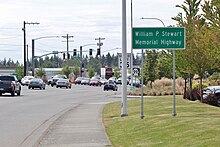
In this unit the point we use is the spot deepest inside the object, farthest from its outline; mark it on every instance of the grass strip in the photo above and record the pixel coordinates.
(196, 124)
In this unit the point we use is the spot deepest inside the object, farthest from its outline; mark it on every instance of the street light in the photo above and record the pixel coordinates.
(174, 75)
(33, 49)
(142, 89)
(154, 19)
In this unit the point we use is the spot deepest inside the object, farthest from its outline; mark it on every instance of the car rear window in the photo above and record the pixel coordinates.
(7, 78)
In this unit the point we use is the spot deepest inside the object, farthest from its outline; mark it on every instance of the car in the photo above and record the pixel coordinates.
(78, 80)
(63, 83)
(56, 78)
(211, 95)
(119, 81)
(37, 83)
(26, 80)
(136, 82)
(49, 81)
(113, 79)
(95, 82)
(85, 81)
(104, 81)
(111, 86)
(9, 84)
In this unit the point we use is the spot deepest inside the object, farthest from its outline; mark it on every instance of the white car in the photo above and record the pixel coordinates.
(63, 83)
(26, 80)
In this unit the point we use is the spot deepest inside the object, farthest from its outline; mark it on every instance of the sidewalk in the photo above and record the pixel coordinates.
(80, 127)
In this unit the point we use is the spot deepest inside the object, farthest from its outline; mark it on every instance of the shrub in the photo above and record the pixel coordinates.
(195, 94)
(197, 84)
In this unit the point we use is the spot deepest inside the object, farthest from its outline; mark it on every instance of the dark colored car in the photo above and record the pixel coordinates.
(78, 80)
(49, 81)
(211, 95)
(10, 84)
(63, 83)
(95, 82)
(56, 78)
(110, 86)
(37, 83)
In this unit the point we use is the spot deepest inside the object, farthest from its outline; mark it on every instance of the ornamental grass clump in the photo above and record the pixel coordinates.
(162, 86)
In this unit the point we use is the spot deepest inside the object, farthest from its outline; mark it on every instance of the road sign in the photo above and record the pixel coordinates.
(158, 38)
(120, 60)
(136, 71)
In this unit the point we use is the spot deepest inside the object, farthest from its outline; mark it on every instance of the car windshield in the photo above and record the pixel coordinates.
(60, 76)
(30, 78)
(79, 78)
(62, 80)
(36, 80)
(86, 79)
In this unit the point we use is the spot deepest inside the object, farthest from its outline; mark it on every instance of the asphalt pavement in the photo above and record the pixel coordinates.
(81, 126)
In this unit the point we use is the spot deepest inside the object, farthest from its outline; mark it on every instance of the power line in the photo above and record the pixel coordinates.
(8, 28)
(11, 44)
(10, 37)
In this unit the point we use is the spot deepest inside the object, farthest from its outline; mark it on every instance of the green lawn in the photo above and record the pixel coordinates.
(196, 124)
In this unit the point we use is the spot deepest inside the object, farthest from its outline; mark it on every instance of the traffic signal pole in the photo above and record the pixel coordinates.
(80, 61)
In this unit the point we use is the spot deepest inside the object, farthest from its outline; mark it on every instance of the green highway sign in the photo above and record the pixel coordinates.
(158, 38)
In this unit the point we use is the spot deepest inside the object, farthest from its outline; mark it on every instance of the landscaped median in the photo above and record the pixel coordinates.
(196, 124)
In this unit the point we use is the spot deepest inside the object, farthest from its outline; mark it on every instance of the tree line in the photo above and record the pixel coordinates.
(201, 56)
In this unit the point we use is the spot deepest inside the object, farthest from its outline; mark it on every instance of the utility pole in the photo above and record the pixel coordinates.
(99, 44)
(27, 60)
(33, 62)
(80, 49)
(67, 46)
(24, 29)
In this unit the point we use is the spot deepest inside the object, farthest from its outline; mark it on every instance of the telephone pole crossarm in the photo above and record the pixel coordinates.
(67, 46)
(99, 44)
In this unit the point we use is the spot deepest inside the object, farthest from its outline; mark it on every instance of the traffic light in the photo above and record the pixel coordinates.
(98, 52)
(90, 52)
(68, 56)
(64, 55)
(74, 52)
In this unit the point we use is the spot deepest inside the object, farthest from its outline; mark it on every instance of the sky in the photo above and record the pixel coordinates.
(85, 20)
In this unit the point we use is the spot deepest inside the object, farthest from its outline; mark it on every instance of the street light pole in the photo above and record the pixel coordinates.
(132, 88)
(124, 62)
(33, 50)
(25, 58)
(174, 72)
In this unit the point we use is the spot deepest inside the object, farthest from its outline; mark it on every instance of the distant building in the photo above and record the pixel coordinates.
(7, 70)
(51, 71)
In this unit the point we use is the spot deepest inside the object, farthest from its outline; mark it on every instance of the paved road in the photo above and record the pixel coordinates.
(32, 118)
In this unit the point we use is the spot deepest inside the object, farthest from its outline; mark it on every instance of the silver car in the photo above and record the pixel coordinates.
(63, 83)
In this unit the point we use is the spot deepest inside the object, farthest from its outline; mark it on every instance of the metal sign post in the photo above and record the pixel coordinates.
(142, 87)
